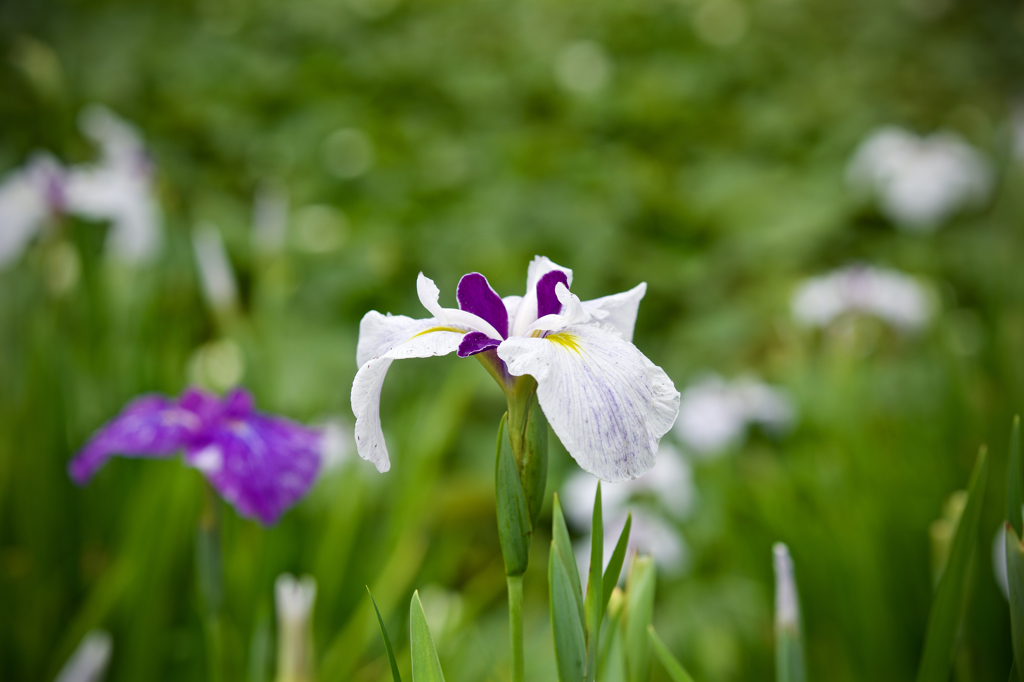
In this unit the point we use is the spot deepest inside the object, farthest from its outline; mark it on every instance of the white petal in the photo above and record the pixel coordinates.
(370, 379)
(380, 333)
(23, 204)
(618, 310)
(608, 404)
(450, 317)
(526, 313)
(540, 266)
(572, 313)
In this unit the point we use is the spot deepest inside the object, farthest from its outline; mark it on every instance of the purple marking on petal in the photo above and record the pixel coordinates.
(547, 300)
(150, 426)
(476, 342)
(261, 465)
(476, 296)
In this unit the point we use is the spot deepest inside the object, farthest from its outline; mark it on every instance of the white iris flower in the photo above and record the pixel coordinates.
(607, 403)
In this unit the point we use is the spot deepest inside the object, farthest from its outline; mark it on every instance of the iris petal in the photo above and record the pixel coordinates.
(608, 404)
(369, 380)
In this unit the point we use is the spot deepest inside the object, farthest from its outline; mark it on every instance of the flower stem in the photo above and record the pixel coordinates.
(515, 624)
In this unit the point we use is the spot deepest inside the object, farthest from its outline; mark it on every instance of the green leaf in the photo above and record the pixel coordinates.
(387, 640)
(595, 600)
(1015, 480)
(566, 617)
(535, 460)
(560, 536)
(514, 528)
(675, 669)
(944, 619)
(611, 574)
(639, 610)
(425, 665)
(1015, 579)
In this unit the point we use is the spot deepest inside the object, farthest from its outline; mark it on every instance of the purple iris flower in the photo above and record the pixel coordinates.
(259, 463)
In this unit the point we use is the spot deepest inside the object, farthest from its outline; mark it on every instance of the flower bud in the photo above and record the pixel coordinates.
(295, 627)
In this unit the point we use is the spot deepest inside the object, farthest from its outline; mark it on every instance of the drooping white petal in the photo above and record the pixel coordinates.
(618, 310)
(90, 660)
(380, 333)
(370, 379)
(526, 314)
(608, 404)
(450, 317)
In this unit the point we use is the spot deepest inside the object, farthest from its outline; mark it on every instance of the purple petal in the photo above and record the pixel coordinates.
(476, 342)
(261, 465)
(476, 296)
(239, 403)
(547, 301)
(151, 426)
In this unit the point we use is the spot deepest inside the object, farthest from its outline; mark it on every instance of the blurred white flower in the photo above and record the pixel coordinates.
(667, 490)
(338, 444)
(714, 414)
(919, 181)
(787, 604)
(892, 296)
(215, 271)
(29, 196)
(89, 661)
(118, 188)
(294, 600)
(583, 67)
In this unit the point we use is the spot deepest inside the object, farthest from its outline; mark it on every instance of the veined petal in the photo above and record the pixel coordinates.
(618, 310)
(527, 311)
(380, 333)
(608, 404)
(262, 465)
(370, 379)
(451, 317)
(151, 426)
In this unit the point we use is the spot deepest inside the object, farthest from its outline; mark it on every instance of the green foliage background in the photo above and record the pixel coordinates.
(712, 172)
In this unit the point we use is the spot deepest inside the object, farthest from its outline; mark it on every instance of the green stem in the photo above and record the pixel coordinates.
(515, 624)
(211, 583)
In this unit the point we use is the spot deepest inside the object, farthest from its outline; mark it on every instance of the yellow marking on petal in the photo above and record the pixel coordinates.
(566, 340)
(437, 329)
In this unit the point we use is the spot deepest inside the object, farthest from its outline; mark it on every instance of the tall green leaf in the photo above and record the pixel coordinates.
(1015, 580)
(514, 528)
(1015, 480)
(947, 607)
(560, 537)
(639, 611)
(387, 640)
(675, 669)
(595, 585)
(611, 574)
(425, 665)
(566, 617)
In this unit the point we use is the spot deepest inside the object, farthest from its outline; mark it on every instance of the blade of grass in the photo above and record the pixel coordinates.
(566, 618)
(674, 668)
(595, 600)
(426, 667)
(944, 619)
(387, 640)
(611, 574)
(1015, 480)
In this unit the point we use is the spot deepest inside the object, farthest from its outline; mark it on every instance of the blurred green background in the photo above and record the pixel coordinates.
(697, 145)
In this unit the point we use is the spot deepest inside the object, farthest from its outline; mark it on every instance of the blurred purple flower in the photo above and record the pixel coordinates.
(261, 464)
